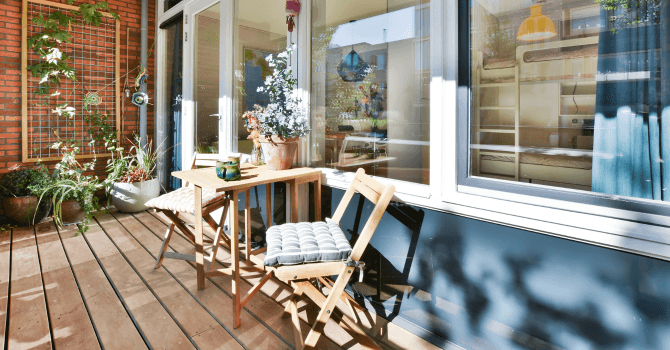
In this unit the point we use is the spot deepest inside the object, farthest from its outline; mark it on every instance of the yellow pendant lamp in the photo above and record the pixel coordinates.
(537, 26)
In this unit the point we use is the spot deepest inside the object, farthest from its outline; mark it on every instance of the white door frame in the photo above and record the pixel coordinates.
(225, 82)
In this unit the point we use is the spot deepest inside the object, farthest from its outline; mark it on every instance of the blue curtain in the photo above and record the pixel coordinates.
(632, 121)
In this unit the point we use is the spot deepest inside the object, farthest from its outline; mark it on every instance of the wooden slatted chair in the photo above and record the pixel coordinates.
(323, 241)
(182, 201)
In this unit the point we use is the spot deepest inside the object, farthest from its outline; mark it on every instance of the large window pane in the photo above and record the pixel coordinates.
(260, 31)
(566, 93)
(370, 87)
(206, 84)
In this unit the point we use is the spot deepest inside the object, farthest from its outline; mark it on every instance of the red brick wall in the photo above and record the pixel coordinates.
(10, 74)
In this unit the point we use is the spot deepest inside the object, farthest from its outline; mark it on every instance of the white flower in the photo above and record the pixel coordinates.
(64, 110)
(54, 55)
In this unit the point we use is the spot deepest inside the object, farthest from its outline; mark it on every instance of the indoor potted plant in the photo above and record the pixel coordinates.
(20, 203)
(71, 190)
(130, 180)
(283, 121)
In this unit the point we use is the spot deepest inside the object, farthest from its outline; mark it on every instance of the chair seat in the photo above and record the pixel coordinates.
(183, 200)
(306, 242)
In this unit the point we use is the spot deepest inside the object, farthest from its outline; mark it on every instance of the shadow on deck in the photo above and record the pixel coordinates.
(60, 289)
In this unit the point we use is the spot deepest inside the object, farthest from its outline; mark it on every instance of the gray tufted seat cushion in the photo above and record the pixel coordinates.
(183, 200)
(306, 242)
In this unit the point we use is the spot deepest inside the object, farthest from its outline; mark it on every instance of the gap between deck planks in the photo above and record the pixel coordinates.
(260, 307)
(200, 325)
(277, 290)
(83, 291)
(28, 321)
(70, 322)
(252, 333)
(5, 263)
(390, 334)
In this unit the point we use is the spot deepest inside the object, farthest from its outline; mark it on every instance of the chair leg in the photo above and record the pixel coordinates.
(295, 319)
(345, 321)
(297, 292)
(346, 298)
(165, 246)
(328, 307)
(218, 237)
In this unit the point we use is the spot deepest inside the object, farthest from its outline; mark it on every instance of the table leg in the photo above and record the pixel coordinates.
(199, 249)
(235, 252)
(294, 202)
(247, 226)
(268, 203)
(317, 199)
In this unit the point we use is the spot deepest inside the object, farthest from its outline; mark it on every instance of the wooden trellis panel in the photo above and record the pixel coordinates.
(94, 55)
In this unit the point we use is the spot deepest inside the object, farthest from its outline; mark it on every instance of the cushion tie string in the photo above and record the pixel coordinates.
(358, 265)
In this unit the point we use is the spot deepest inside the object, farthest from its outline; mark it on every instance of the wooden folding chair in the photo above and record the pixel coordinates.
(302, 276)
(182, 201)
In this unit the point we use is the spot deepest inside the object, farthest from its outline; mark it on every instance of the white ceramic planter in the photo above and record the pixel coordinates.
(130, 197)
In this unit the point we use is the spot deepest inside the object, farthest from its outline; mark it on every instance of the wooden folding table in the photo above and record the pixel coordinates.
(252, 176)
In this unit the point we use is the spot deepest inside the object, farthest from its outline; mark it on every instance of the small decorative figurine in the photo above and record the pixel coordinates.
(292, 10)
(141, 77)
(140, 99)
(92, 99)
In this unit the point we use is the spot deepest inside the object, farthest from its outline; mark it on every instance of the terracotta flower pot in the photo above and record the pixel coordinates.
(279, 153)
(71, 212)
(24, 211)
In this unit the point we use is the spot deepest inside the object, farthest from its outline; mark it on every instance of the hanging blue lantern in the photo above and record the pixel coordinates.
(352, 68)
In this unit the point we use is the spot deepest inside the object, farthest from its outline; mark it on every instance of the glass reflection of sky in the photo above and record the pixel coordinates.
(398, 25)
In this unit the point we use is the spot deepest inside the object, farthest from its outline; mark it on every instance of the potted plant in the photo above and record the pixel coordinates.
(71, 190)
(283, 121)
(20, 203)
(130, 180)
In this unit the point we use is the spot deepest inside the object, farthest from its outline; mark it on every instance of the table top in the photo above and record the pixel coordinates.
(252, 176)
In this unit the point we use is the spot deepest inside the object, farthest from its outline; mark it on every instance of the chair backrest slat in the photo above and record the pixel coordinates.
(379, 194)
(368, 192)
(372, 223)
(370, 182)
(203, 159)
(205, 162)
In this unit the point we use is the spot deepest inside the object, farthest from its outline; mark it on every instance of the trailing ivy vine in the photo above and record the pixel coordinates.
(68, 180)
(55, 64)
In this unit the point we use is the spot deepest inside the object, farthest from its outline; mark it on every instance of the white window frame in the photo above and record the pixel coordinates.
(625, 230)
(160, 113)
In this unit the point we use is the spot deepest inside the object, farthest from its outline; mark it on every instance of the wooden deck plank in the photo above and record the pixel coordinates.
(264, 307)
(203, 329)
(5, 256)
(251, 332)
(115, 328)
(70, 322)
(155, 322)
(28, 319)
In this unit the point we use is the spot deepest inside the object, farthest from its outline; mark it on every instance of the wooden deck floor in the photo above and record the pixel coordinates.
(60, 289)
